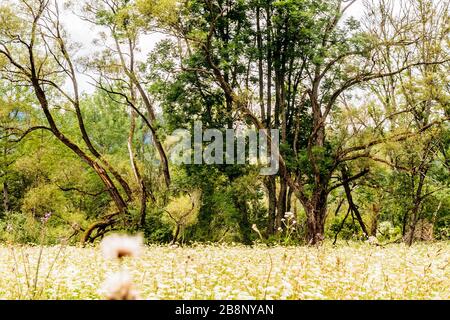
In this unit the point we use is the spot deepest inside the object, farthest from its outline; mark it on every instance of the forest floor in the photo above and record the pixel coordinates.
(355, 271)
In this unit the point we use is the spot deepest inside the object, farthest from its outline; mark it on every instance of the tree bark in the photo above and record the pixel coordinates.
(269, 65)
(351, 203)
(260, 63)
(6, 207)
(282, 198)
(150, 110)
(316, 212)
(81, 125)
(271, 192)
(155, 136)
(289, 201)
(101, 172)
(341, 226)
(177, 234)
(244, 224)
(137, 174)
(415, 215)
(375, 216)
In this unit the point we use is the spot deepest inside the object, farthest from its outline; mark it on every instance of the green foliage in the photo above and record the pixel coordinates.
(387, 232)
(157, 229)
(350, 230)
(328, 97)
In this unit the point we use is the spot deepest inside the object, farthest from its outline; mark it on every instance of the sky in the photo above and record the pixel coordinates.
(84, 33)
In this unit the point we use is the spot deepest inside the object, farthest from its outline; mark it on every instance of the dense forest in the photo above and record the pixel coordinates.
(360, 98)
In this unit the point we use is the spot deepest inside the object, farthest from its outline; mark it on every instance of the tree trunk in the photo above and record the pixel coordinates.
(156, 140)
(137, 174)
(269, 65)
(101, 172)
(289, 201)
(271, 192)
(352, 205)
(148, 105)
(5, 197)
(244, 224)
(270, 181)
(341, 226)
(416, 209)
(260, 64)
(316, 212)
(177, 234)
(315, 228)
(375, 216)
(82, 127)
(412, 228)
(281, 210)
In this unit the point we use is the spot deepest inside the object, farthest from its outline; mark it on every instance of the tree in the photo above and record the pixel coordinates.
(416, 97)
(32, 41)
(312, 73)
(126, 26)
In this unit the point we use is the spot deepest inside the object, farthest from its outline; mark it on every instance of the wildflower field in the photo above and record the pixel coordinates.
(356, 271)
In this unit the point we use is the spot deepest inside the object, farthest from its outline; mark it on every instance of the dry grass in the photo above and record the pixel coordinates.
(359, 271)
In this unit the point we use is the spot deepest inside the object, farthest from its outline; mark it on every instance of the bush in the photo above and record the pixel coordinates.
(156, 229)
(25, 229)
(350, 230)
(387, 231)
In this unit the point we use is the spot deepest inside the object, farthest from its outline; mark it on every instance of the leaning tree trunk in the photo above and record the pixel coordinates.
(351, 203)
(150, 110)
(155, 136)
(99, 170)
(82, 127)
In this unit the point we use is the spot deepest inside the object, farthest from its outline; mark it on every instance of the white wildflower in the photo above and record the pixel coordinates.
(119, 286)
(373, 241)
(120, 246)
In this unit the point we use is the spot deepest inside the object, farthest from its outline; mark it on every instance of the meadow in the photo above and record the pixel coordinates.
(355, 271)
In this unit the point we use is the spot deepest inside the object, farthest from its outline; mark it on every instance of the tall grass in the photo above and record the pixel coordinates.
(358, 271)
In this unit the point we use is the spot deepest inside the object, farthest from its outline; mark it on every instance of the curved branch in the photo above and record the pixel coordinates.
(30, 130)
(347, 181)
(81, 191)
(396, 138)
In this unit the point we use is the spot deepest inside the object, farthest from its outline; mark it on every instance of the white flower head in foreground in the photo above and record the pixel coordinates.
(119, 286)
(118, 246)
